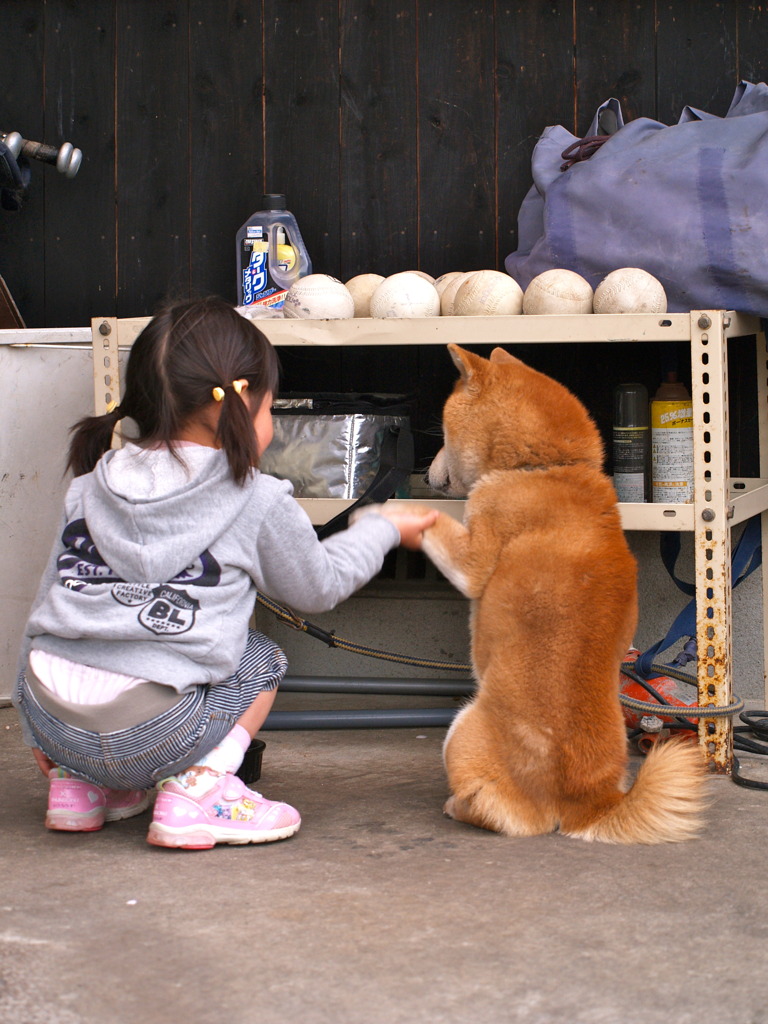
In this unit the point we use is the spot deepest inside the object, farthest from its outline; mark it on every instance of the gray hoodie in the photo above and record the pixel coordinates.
(158, 561)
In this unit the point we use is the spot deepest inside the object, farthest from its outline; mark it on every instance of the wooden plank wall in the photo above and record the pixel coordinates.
(401, 131)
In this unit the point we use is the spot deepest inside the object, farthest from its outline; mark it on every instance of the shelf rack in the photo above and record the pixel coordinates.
(719, 504)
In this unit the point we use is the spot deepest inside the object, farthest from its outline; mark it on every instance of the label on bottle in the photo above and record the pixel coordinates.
(258, 286)
(629, 486)
(254, 272)
(672, 451)
(629, 448)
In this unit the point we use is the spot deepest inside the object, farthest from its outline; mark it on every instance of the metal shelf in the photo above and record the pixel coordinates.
(719, 502)
(746, 499)
(465, 330)
(633, 516)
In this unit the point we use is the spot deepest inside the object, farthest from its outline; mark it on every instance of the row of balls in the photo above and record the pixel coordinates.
(413, 293)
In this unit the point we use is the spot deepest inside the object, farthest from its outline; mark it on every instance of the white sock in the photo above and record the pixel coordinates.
(228, 755)
(224, 759)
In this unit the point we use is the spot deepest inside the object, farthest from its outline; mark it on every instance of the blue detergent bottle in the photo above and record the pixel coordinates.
(271, 254)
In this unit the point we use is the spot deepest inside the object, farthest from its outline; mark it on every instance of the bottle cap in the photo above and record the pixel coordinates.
(273, 201)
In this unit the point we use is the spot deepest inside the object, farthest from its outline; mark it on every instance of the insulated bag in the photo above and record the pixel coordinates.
(353, 446)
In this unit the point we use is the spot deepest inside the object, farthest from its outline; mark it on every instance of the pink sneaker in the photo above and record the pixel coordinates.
(227, 813)
(125, 803)
(75, 805)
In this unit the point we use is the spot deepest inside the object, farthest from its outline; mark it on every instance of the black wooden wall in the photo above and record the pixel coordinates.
(401, 131)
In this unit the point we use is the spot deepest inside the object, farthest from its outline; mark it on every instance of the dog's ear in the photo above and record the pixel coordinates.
(469, 366)
(500, 355)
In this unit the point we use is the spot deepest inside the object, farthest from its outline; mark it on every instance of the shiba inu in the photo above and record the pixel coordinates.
(542, 556)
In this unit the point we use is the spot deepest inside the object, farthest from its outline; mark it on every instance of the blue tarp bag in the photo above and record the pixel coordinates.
(688, 203)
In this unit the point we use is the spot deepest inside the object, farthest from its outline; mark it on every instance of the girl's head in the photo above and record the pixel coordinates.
(183, 376)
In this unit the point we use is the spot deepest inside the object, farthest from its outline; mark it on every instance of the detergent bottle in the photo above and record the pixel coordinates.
(271, 254)
(672, 443)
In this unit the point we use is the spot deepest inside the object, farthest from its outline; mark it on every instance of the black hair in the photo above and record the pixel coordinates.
(185, 351)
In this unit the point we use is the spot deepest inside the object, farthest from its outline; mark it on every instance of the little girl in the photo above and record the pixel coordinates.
(138, 666)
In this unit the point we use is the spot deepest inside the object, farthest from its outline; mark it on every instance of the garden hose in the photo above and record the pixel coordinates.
(756, 722)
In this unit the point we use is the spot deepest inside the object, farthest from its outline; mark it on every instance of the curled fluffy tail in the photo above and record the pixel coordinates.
(665, 804)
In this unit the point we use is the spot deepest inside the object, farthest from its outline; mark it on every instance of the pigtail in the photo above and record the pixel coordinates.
(236, 435)
(91, 437)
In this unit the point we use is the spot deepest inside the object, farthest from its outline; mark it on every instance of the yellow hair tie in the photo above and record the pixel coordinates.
(239, 386)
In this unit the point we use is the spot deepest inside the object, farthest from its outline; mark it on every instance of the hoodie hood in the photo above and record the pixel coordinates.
(151, 514)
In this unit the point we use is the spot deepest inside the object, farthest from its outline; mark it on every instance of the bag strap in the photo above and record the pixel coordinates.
(582, 149)
(747, 556)
(395, 466)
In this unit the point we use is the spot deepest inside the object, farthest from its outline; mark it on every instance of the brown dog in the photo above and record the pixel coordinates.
(542, 555)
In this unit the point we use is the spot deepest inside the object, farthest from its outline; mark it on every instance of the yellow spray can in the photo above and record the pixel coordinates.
(672, 443)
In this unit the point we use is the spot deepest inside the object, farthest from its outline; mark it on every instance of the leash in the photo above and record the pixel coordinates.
(687, 712)
(744, 562)
(290, 618)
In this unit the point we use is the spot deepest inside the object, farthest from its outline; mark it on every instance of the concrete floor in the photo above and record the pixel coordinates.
(380, 910)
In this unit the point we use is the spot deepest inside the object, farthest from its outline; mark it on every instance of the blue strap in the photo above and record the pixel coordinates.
(747, 556)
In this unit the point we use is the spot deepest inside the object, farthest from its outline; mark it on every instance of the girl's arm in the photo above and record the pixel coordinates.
(294, 567)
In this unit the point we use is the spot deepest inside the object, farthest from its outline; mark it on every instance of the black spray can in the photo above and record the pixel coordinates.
(631, 442)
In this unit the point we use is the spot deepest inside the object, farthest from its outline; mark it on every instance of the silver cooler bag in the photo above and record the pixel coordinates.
(352, 446)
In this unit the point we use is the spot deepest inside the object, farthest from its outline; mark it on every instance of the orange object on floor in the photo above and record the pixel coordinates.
(675, 691)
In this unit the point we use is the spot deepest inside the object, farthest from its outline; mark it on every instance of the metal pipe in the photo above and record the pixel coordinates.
(378, 718)
(404, 687)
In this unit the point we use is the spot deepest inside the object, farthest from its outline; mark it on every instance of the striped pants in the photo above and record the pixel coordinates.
(138, 756)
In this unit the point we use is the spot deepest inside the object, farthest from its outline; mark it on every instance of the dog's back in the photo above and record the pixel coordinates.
(544, 558)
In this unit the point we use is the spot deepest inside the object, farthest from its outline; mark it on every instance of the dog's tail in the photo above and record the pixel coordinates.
(665, 804)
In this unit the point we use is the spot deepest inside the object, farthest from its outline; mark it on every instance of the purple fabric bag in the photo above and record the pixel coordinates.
(688, 203)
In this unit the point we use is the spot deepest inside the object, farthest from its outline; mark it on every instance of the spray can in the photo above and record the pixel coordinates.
(631, 442)
(271, 254)
(672, 443)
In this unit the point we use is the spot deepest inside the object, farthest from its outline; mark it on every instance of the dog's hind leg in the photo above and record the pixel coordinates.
(484, 791)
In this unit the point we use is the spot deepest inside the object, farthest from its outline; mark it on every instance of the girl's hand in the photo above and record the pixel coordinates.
(410, 520)
(411, 525)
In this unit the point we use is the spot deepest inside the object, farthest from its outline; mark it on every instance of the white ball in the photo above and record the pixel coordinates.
(424, 274)
(558, 291)
(318, 297)
(448, 291)
(361, 288)
(630, 290)
(488, 293)
(444, 280)
(405, 295)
